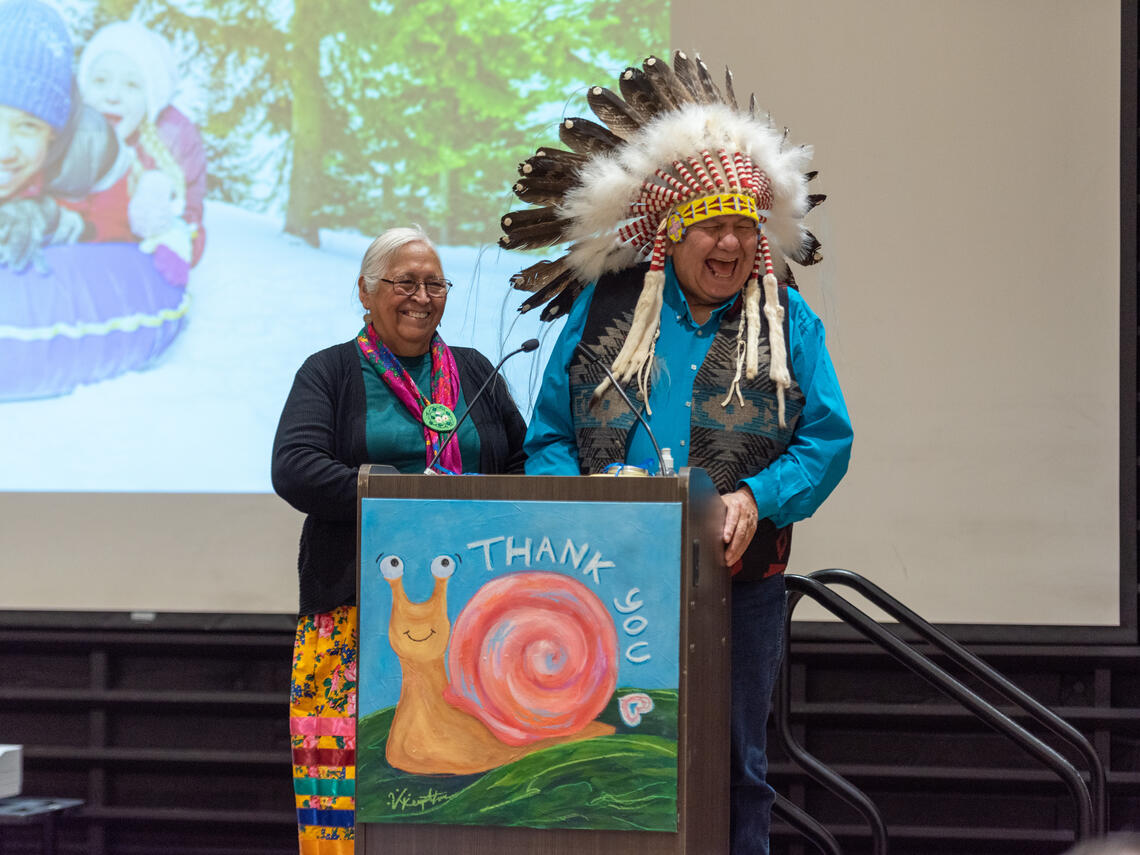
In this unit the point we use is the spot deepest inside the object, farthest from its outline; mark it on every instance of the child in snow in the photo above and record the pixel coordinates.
(128, 74)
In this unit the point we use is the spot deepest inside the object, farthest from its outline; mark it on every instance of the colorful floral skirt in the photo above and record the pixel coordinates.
(322, 724)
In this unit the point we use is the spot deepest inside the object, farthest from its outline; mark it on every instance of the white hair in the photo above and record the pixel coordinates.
(378, 257)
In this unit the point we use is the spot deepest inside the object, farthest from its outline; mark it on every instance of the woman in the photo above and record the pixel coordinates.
(369, 400)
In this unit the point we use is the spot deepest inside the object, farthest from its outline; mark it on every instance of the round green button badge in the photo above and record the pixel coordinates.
(439, 417)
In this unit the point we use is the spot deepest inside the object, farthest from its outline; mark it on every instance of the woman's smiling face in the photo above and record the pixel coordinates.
(406, 324)
(24, 142)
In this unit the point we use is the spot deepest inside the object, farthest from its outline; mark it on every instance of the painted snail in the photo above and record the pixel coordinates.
(532, 660)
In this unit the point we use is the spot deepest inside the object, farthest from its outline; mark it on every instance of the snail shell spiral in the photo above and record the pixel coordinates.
(532, 655)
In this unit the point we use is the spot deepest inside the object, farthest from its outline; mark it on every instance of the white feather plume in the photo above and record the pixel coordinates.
(609, 184)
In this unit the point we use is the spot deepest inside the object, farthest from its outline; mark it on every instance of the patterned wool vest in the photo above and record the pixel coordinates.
(730, 442)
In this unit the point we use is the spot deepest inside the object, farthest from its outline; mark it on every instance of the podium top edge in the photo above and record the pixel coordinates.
(375, 482)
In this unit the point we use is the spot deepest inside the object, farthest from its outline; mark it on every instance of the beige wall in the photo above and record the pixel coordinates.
(969, 149)
(970, 289)
(126, 552)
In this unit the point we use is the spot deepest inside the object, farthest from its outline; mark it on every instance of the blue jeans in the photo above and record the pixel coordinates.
(757, 647)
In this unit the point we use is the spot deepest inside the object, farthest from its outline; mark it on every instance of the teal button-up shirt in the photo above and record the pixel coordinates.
(789, 489)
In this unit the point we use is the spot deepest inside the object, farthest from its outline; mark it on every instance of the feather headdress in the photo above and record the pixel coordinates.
(674, 150)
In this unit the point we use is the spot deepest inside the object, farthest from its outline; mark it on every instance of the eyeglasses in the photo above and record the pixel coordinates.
(410, 287)
(744, 230)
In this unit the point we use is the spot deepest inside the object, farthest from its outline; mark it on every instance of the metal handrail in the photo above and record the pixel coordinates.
(815, 768)
(940, 679)
(987, 674)
(806, 825)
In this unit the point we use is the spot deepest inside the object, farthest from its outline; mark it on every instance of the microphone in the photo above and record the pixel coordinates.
(661, 468)
(526, 347)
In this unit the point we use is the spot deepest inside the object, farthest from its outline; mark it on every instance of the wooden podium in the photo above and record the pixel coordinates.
(683, 516)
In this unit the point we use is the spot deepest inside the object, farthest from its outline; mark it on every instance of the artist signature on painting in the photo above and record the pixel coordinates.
(404, 801)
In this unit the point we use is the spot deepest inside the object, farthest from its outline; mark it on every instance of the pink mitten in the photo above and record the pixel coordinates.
(173, 268)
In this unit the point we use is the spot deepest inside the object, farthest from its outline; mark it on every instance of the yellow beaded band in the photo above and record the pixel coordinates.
(707, 207)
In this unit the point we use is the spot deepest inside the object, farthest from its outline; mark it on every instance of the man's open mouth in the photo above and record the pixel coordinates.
(721, 269)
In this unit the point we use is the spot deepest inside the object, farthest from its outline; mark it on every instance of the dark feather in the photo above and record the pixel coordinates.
(561, 304)
(551, 163)
(752, 107)
(669, 89)
(809, 251)
(586, 137)
(539, 275)
(528, 217)
(686, 72)
(729, 91)
(548, 292)
(639, 92)
(712, 94)
(532, 229)
(534, 236)
(540, 191)
(815, 199)
(619, 116)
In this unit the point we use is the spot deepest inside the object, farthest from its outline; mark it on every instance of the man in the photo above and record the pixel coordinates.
(713, 198)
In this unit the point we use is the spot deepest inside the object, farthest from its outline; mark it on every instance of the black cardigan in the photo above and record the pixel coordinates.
(320, 443)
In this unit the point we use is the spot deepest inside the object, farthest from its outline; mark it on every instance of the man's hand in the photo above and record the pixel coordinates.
(739, 523)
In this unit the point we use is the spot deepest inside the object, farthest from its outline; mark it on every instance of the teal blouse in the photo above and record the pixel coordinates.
(396, 437)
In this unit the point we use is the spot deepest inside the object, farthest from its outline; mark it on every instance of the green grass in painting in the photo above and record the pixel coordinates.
(624, 781)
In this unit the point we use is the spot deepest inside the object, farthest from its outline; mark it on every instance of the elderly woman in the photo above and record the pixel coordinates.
(374, 399)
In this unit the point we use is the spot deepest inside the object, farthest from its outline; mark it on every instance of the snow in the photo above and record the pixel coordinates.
(201, 418)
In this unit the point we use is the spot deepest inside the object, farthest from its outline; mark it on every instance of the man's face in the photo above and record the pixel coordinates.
(714, 259)
(24, 142)
(116, 88)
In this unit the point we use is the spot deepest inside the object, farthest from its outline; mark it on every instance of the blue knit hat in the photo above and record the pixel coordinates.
(35, 61)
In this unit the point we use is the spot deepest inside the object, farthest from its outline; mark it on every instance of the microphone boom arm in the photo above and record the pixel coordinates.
(526, 347)
(613, 380)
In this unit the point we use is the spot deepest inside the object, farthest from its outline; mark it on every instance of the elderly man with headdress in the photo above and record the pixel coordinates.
(681, 215)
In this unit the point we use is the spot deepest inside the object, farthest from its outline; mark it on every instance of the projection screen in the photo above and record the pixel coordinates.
(970, 287)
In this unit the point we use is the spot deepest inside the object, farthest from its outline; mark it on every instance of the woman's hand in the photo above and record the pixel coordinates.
(25, 225)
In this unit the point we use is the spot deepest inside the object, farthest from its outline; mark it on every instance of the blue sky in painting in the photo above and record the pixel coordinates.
(623, 552)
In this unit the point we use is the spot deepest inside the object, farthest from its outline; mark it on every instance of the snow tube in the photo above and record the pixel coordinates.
(100, 310)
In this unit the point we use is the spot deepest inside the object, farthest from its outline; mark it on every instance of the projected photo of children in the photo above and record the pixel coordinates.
(187, 188)
(127, 73)
(99, 220)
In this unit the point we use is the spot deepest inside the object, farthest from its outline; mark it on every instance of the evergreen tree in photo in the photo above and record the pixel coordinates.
(364, 114)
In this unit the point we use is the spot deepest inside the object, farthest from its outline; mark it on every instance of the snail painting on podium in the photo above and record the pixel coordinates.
(519, 664)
